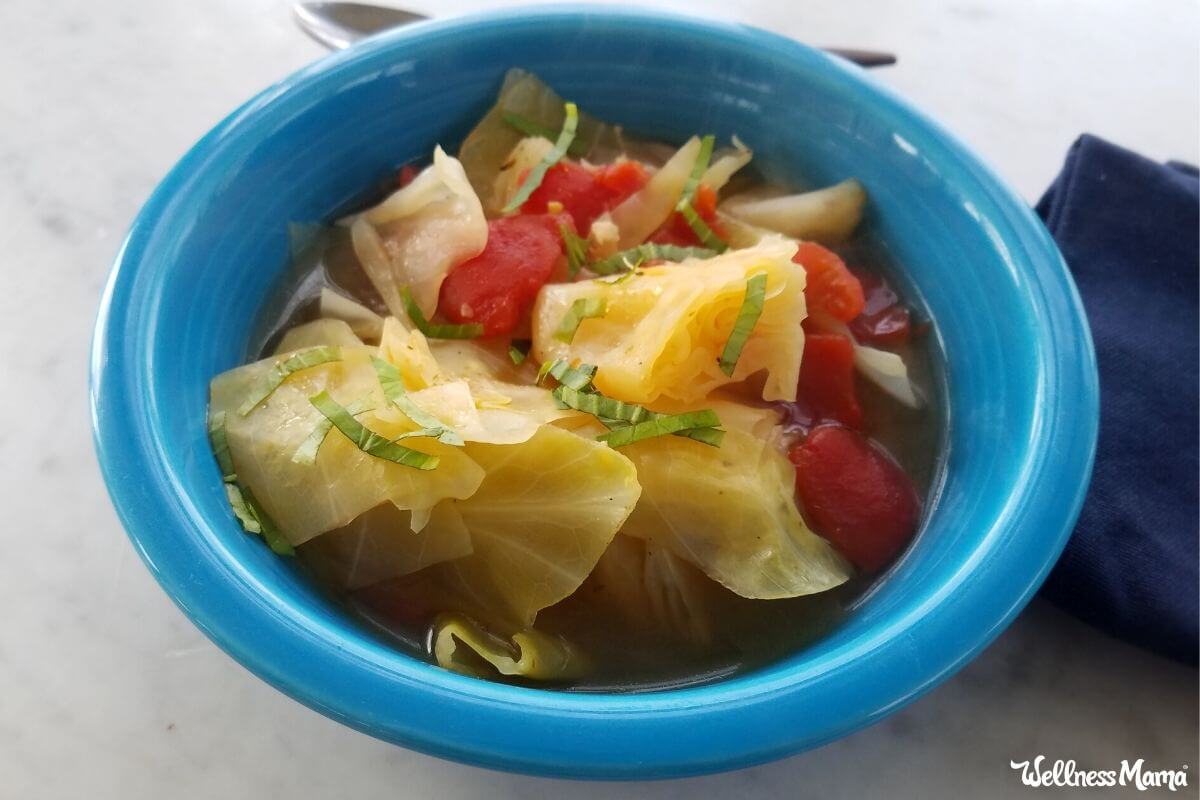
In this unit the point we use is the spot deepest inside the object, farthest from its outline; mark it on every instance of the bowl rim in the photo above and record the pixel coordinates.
(993, 597)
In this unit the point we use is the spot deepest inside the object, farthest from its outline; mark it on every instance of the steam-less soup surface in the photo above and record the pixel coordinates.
(583, 411)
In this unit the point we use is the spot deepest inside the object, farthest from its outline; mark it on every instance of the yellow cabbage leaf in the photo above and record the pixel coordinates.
(544, 514)
(331, 332)
(643, 212)
(415, 236)
(462, 645)
(380, 544)
(663, 330)
(309, 499)
(731, 511)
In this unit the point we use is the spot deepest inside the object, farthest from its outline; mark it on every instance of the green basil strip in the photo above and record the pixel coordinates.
(534, 179)
(662, 425)
(578, 378)
(270, 531)
(693, 182)
(280, 370)
(704, 233)
(220, 446)
(581, 309)
(628, 260)
(576, 247)
(237, 501)
(686, 206)
(747, 318)
(367, 440)
(618, 416)
(600, 406)
(518, 350)
(469, 331)
(306, 453)
(393, 389)
(709, 436)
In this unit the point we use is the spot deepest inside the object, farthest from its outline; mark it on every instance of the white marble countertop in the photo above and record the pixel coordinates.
(107, 691)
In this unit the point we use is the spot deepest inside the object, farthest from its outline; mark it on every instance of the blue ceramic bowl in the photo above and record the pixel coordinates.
(210, 247)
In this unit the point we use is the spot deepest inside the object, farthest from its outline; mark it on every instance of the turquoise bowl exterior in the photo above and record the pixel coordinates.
(210, 246)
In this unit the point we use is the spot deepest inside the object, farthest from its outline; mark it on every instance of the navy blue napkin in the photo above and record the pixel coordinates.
(1128, 228)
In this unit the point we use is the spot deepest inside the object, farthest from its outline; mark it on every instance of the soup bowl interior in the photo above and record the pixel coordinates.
(211, 247)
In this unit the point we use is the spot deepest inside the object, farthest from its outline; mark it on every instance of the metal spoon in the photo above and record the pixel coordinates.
(339, 25)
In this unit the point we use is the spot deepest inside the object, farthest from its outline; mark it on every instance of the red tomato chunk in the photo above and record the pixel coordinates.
(831, 288)
(855, 495)
(827, 379)
(585, 194)
(497, 287)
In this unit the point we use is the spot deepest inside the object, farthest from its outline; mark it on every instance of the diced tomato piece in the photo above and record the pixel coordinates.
(676, 229)
(827, 379)
(855, 495)
(585, 194)
(575, 187)
(884, 320)
(406, 175)
(830, 287)
(621, 179)
(497, 287)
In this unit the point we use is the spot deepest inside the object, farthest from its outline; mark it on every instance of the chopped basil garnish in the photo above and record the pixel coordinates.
(578, 378)
(237, 502)
(704, 233)
(468, 331)
(393, 389)
(581, 309)
(270, 531)
(306, 453)
(685, 205)
(660, 425)
(627, 422)
(576, 247)
(220, 446)
(367, 440)
(249, 513)
(600, 406)
(747, 318)
(518, 350)
(280, 370)
(534, 179)
(628, 260)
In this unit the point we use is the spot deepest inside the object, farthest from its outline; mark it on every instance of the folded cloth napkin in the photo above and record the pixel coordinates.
(1128, 228)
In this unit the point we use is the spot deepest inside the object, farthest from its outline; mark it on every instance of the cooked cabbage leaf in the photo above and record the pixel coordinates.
(666, 328)
(319, 332)
(825, 215)
(415, 236)
(380, 544)
(366, 324)
(488, 146)
(343, 482)
(653, 591)
(643, 212)
(725, 164)
(732, 513)
(462, 645)
(540, 521)
(472, 387)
